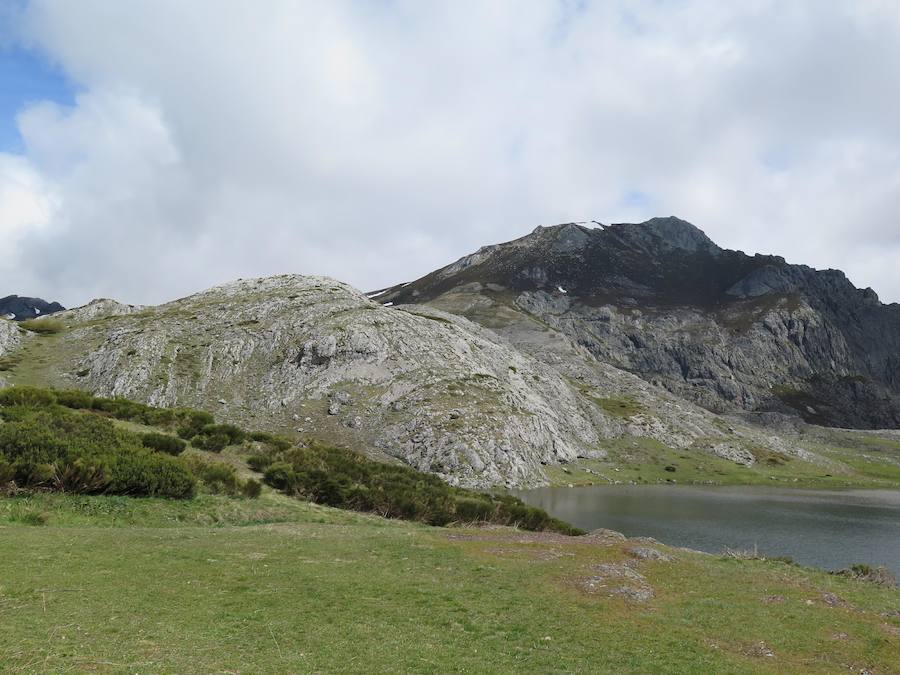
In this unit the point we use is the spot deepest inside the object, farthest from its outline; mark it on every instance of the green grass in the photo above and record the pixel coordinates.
(642, 460)
(617, 406)
(142, 585)
(44, 326)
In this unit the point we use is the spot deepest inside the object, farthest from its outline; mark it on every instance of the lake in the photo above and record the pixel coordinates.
(827, 529)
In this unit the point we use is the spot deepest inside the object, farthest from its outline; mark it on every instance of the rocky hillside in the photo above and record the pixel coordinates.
(501, 399)
(659, 299)
(316, 357)
(19, 309)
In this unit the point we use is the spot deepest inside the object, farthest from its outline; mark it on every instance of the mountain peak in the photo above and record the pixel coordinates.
(20, 308)
(672, 233)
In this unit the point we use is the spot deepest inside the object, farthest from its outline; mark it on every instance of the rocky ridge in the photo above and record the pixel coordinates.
(659, 299)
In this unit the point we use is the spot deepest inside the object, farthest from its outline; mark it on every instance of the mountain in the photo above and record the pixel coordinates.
(19, 309)
(314, 357)
(624, 353)
(659, 299)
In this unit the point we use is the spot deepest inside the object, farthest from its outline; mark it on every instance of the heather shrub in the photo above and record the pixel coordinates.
(252, 489)
(346, 479)
(163, 443)
(51, 447)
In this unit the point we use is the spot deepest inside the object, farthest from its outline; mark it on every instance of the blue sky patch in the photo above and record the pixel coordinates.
(25, 78)
(636, 199)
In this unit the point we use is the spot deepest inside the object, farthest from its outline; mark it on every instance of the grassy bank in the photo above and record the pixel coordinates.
(846, 460)
(116, 584)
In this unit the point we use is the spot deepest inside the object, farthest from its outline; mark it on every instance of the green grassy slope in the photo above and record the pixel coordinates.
(855, 460)
(115, 584)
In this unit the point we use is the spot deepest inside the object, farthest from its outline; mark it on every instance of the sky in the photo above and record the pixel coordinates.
(152, 148)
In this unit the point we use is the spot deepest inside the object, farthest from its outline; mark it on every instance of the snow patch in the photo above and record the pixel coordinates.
(376, 294)
(388, 304)
(562, 290)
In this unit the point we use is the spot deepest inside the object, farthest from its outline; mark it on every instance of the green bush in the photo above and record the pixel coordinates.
(163, 443)
(50, 446)
(280, 476)
(259, 463)
(7, 472)
(346, 479)
(252, 489)
(474, 509)
(75, 398)
(275, 443)
(217, 477)
(30, 396)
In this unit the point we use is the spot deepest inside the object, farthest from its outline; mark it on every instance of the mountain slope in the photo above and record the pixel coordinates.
(315, 356)
(728, 331)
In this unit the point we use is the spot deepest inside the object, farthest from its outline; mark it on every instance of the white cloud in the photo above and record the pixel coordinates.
(377, 141)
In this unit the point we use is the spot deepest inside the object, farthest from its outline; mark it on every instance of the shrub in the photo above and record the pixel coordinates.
(74, 398)
(79, 476)
(7, 472)
(34, 518)
(346, 479)
(30, 396)
(275, 443)
(51, 446)
(213, 443)
(217, 477)
(163, 443)
(472, 510)
(259, 463)
(280, 476)
(252, 489)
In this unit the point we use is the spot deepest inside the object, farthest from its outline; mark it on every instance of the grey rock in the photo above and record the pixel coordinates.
(647, 553)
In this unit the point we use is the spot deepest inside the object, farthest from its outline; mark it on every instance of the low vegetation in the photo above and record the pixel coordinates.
(43, 326)
(345, 479)
(880, 576)
(52, 443)
(50, 447)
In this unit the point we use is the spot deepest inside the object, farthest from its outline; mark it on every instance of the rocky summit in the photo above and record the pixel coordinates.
(19, 309)
(659, 299)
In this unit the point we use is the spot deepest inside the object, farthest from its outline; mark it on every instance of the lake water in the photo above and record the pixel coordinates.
(827, 529)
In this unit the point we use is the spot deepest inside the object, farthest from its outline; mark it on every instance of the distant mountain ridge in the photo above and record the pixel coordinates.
(21, 308)
(660, 299)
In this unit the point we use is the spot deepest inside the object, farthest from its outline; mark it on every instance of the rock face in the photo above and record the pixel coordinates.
(659, 299)
(10, 339)
(19, 309)
(10, 336)
(99, 308)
